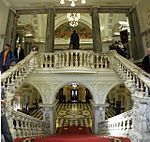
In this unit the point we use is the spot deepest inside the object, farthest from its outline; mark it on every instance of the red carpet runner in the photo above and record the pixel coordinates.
(73, 134)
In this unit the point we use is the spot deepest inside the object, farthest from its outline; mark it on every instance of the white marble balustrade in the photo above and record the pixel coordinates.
(120, 125)
(14, 76)
(136, 80)
(27, 126)
(74, 59)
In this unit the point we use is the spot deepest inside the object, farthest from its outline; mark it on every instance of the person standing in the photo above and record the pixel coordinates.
(74, 40)
(121, 49)
(146, 61)
(7, 58)
(19, 53)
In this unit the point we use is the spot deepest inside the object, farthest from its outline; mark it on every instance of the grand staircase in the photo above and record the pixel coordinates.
(74, 134)
(135, 79)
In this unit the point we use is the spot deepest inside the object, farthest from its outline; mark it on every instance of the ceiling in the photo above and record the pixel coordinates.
(45, 3)
(107, 24)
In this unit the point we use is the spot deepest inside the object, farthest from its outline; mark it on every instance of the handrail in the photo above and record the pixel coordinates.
(118, 125)
(16, 74)
(27, 126)
(137, 80)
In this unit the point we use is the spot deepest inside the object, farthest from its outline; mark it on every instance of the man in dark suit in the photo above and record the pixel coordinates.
(146, 61)
(74, 40)
(19, 53)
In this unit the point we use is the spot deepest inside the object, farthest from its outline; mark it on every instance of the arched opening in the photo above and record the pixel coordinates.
(119, 100)
(27, 100)
(74, 106)
(63, 34)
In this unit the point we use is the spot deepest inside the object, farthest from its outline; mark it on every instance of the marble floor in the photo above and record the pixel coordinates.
(74, 114)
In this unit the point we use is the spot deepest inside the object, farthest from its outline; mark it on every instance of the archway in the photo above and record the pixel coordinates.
(27, 100)
(119, 100)
(74, 107)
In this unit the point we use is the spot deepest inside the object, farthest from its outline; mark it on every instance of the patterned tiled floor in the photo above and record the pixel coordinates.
(74, 114)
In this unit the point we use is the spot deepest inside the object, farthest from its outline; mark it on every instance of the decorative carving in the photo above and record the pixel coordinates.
(46, 88)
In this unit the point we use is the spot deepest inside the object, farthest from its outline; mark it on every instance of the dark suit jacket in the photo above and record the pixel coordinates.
(21, 54)
(146, 63)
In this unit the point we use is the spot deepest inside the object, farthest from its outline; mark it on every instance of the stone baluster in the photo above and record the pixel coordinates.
(119, 126)
(59, 60)
(92, 61)
(21, 127)
(67, 59)
(85, 59)
(88, 60)
(97, 61)
(55, 60)
(101, 61)
(80, 58)
(28, 128)
(146, 90)
(46, 61)
(42, 60)
(63, 60)
(33, 128)
(106, 62)
(50, 61)
(128, 124)
(76, 59)
(124, 125)
(71, 59)
(18, 131)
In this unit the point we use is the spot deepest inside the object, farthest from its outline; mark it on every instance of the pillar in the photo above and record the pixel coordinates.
(141, 116)
(49, 113)
(136, 39)
(11, 29)
(97, 45)
(50, 31)
(98, 116)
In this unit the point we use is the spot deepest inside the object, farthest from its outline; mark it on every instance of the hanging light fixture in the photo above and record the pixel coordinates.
(73, 19)
(72, 2)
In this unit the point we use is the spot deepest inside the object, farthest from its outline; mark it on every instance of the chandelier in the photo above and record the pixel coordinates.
(72, 2)
(73, 19)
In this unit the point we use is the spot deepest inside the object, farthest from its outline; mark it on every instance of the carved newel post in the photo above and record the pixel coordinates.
(9, 114)
(98, 116)
(141, 120)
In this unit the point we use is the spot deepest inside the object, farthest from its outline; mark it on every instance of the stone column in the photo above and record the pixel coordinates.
(50, 31)
(136, 45)
(49, 113)
(98, 116)
(97, 45)
(11, 29)
(141, 116)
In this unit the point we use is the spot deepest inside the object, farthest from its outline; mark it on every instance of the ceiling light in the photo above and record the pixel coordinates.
(72, 2)
(62, 2)
(73, 19)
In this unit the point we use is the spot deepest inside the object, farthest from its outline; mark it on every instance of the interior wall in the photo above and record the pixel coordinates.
(3, 22)
(143, 11)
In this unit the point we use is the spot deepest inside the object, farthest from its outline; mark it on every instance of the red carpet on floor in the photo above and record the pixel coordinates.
(73, 134)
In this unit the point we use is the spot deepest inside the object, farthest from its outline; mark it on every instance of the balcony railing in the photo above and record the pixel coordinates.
(74, 59)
